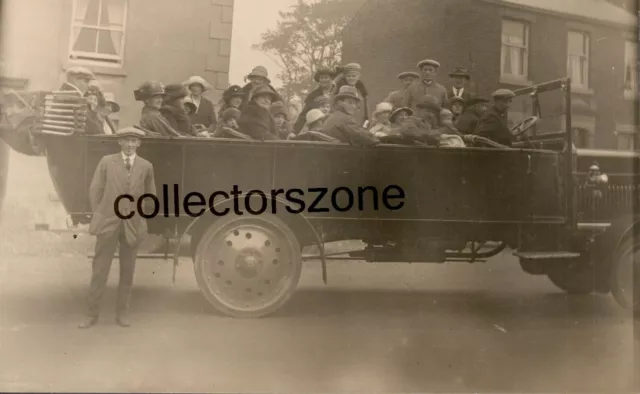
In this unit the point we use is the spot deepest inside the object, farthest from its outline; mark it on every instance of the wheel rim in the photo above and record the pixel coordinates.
(248, 266)
(625, 276)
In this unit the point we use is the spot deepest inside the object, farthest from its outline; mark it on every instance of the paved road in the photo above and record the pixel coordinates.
(375, 328)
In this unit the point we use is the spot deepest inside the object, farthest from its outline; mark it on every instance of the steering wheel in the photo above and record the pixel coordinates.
(524, 126)
(314, 136)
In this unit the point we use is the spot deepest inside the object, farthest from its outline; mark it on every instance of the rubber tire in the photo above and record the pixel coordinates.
(296, 253)
(575, 278)
(629, 246)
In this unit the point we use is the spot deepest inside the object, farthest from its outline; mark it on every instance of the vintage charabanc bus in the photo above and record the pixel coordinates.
(249, 207)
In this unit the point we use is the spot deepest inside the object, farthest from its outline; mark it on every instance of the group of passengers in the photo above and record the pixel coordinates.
(421, 110)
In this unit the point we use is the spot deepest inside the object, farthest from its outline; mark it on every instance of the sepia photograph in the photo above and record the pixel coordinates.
(319, 196)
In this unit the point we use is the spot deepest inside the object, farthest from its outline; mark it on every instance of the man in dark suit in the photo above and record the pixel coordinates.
(493, 123)
(460, 78)
(123, 173)
(77, 80)
(204, 114)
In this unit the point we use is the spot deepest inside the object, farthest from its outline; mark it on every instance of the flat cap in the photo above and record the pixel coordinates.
(351, 67)
(408, 74)
(428, 62)
(80, 72)
(503, 93)
(130, 132)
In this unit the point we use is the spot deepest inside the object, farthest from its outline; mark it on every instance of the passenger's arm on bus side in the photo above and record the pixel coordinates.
(96, 189)
(160, 124)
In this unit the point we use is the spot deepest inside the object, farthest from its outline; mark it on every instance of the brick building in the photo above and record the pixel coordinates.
(512, 44)
(123, 41)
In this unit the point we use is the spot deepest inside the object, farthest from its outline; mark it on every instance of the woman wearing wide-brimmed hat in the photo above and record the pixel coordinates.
(152, 93)
(205, 114)
(381, 125)
(173, 109)
(231, 98)
(350, 76)
(342, 125)
(324, 79)
(256, 120)
(259, 76)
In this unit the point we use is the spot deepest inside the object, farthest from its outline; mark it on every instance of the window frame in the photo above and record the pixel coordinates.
(526, 47)
(631, 92)
(96, 58)
(587, 55)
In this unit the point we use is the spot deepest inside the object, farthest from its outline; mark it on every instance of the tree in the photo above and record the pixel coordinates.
(306, 38)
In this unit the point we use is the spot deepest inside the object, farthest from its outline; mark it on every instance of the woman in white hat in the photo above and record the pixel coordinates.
(350, 76)
(204, 114)
(381, 123)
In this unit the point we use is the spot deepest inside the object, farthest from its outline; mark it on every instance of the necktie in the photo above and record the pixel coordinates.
(127, 164)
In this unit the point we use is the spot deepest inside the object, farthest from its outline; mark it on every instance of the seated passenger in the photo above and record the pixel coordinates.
(229, 118)
(456, 106)
(111, 107)
(323, 103)
(231, 98)
(258, 77)
(450, 135)
(350, 75)
(473, 110)
(342, 125)
(174, 111)
(324, 78)
(315, 120)
(493, 123)
(256, 120)
(152, 94)
(281, 118)
(381, 123)
(399, 115)
(422, 125)
(95, 121)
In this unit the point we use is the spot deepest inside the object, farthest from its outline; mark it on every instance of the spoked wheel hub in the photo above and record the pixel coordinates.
(248, 267)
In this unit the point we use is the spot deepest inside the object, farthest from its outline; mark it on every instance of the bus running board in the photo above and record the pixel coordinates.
(546, 255)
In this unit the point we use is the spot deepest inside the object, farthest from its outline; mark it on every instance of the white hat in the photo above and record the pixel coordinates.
(383, 107)
(110, 98)
(197, 80)
(314, 115)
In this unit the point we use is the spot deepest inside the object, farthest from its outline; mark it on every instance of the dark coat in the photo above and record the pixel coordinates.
(493, 125)
(468, 121)
(416, 129)
(153, 121)
(363, 115)
(396, 98)
(308, 106)
(416, 92)
(465, 93)
(257, 122)
(110, 180)
(94, 124)
(205, 115)
(344, 127)
(177, 119)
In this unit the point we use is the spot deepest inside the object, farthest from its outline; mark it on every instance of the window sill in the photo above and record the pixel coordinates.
(516, 81)
(115, 71)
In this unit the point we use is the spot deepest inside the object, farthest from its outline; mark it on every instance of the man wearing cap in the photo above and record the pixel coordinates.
(473, 110)
(426, 87)
(205, 114)
(493, 123)
(324, 79)
(77, 80)
(257, 77)
(152, 94)
(123, 173)
(460, 78)
(396, 97)
(342, 125)
(256, 120)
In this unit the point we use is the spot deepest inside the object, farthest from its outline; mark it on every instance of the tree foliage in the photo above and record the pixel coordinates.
(306, 38)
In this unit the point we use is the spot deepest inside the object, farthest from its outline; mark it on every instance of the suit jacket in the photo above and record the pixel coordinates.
(205, 115)
(344, 127)
(257, 123)
(493, 125)
(111, 180)
(465, 93)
